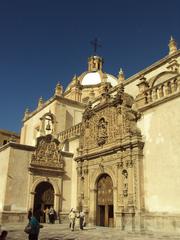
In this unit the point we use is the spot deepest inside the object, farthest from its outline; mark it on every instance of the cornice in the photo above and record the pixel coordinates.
(110, 150)
(17, 146)
(151, 67)
(41, 170)
(67, 154)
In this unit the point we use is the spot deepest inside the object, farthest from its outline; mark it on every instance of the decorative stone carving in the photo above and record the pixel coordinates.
(125, 182)
(108, 122)
(102, 131)
(105, 95)
(101, 166)
(120, 164)
(111, 145)
(48, 153)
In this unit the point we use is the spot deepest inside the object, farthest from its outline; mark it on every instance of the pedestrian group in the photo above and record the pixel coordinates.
(33, 226)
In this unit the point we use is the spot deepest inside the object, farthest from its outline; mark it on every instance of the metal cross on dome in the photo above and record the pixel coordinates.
(95, 44)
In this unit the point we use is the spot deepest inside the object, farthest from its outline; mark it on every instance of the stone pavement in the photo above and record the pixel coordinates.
(62, 232)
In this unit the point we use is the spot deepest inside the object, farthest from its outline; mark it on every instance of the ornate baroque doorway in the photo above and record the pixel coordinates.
(105, 211)
(44, 197)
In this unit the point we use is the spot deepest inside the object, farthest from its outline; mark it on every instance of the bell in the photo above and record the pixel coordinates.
(48, 127)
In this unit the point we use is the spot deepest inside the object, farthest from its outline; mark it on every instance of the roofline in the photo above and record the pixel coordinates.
(52, 99)
(151, 67)
(9, 132)
(17, 146)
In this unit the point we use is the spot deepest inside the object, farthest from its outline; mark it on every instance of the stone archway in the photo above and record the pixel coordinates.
(104, 202)
(44, 197)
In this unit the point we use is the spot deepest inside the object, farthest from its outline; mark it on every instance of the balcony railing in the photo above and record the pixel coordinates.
(70, 132)
(159, 91)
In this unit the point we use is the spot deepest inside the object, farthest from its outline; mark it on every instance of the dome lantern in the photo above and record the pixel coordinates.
(95, 64)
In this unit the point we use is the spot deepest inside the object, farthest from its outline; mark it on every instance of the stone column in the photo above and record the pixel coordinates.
(92, 207)
(31, 201)
(86, 187)
(79, 189)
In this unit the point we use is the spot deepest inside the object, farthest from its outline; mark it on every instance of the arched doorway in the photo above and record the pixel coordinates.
(44, 197)
(105, 211)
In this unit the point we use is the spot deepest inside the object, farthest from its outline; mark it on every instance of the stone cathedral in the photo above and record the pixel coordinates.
(105, 144)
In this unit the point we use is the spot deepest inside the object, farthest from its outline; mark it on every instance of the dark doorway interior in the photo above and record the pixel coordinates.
(102, 215)
(44, 197)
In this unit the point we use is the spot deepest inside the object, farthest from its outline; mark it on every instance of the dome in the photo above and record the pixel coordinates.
(94, 75)
(93, 78)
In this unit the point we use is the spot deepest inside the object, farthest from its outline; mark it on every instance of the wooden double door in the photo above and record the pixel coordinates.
(105, 210)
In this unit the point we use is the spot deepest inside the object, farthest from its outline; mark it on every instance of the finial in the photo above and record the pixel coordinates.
(40, 102)
(171, 39)
(26, 113)
(172, 45)
(58, 89)
(95, 44)
(121, 76)
(75, 78)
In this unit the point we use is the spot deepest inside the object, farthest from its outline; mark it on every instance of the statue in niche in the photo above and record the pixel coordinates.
(125, 183)
(102, 131)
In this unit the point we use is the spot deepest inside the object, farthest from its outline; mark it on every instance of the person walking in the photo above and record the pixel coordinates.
(81, 220)
(29, 214)
(46, 211)
(3, 235)
(35, 228)
(72, 218)
(51, 214)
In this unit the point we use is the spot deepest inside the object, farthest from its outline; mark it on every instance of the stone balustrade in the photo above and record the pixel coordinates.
(159, 91)
(70, 133)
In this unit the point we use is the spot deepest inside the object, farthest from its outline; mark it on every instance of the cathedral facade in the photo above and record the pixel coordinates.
(106, 145)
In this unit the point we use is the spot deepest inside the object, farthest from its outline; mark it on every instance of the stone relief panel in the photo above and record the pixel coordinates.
(47, 153)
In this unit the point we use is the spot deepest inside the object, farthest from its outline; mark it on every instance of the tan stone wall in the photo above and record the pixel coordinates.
(67, 186)
(4, 163)
(66, 116)
(160, 127)
(28, 132)
(17, 183)
(73, 145)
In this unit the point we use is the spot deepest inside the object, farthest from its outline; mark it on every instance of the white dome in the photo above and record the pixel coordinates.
(93, 78)
(112, 80)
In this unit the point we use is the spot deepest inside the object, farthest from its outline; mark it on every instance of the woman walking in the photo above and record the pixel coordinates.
(35, 228)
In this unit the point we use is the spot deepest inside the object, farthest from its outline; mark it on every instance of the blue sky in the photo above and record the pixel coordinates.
(46, 41)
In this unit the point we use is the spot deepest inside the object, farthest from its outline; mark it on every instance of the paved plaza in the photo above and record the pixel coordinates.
(62, 232)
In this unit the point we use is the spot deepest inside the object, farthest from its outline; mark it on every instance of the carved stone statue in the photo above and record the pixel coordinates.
(102, 131)
(125, 183)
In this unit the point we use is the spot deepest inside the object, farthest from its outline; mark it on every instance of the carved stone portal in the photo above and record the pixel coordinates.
(111, 152)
